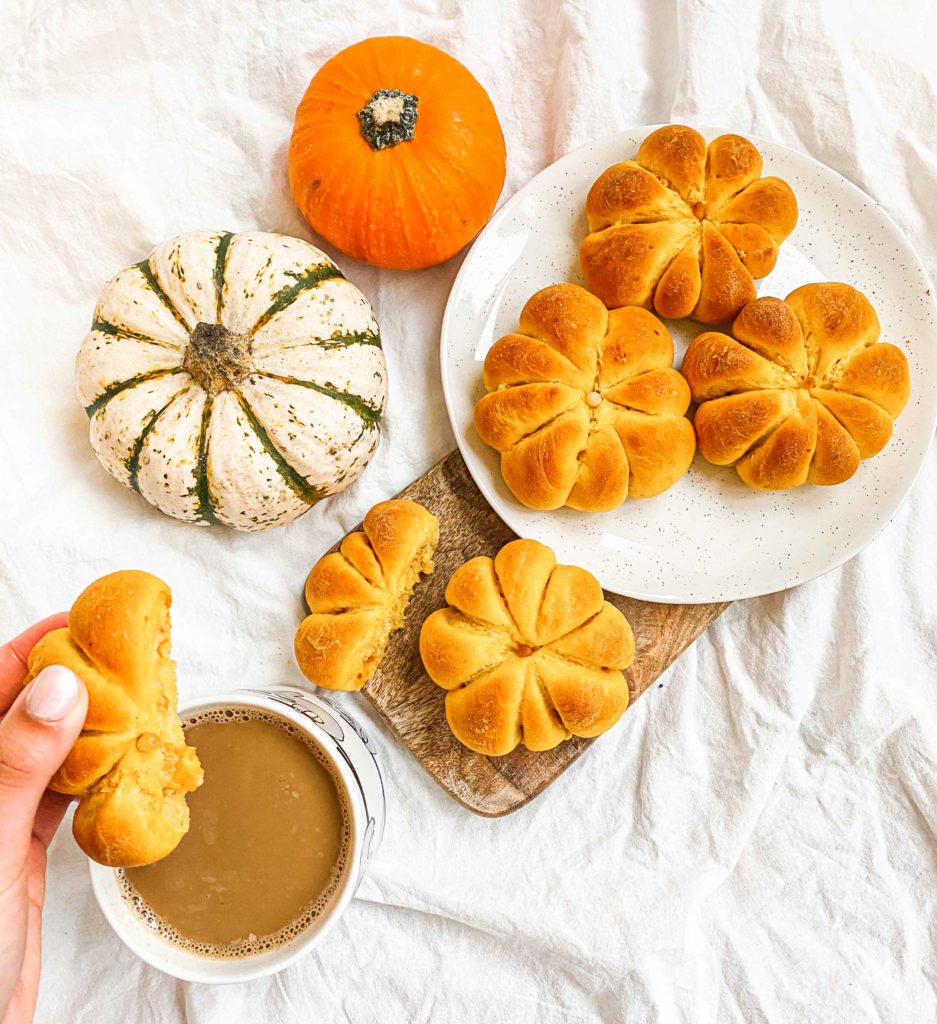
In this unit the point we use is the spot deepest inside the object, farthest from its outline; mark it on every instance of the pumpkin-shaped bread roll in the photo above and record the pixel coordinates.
(802, 391)
(130, 767)
(584, 405)
(530, 652)
(685, 228)
(357, 596)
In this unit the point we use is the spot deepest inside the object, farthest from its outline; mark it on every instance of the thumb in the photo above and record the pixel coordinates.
(36, 735)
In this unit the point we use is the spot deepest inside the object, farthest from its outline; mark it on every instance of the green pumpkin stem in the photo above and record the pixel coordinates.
(388, 118)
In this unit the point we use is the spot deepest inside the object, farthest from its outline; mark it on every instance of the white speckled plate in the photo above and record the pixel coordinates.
(709, 538)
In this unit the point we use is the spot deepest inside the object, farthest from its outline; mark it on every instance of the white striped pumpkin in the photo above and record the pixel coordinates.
(233, 378)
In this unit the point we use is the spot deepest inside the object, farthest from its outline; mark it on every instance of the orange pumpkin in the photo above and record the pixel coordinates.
(397, 155)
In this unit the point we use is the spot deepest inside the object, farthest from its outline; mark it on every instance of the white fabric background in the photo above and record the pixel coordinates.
(757, 840)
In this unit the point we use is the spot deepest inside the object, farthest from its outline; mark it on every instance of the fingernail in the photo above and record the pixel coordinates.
(52, 694)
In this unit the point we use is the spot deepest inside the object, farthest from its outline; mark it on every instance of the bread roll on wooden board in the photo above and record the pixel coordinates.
(414, 706)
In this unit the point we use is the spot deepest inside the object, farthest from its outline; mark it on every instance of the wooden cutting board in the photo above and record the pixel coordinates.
(414, 707)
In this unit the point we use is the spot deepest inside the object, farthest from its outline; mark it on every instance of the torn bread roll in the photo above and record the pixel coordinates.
(357, 596)
(130, 768)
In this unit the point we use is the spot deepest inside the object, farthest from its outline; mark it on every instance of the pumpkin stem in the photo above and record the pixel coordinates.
(217, 358)
(388, 118)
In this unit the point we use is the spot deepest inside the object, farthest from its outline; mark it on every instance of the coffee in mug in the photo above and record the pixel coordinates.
(267, 846)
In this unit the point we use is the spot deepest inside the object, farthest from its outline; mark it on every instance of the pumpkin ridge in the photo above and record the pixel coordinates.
(777, 359)
(297, 482)
(480, 625)
(157, 289)
(221, 259)
(114, 389)
(714, 209)
(833, 415)
(548, 701)
(567, 659)
(499, 586)
(285, 296)
(571, 410)
(133, 461)
(766, 435)
(643, 412)
(368, 413)
(206, 507)
(106, 327)
(482, 674)
(834, 371)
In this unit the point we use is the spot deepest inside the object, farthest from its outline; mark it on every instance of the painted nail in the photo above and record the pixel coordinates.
(52, 694)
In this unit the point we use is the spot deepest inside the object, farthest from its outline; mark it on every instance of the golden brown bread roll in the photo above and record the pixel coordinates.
(584, 404)
(530, 652)
(357, 596)
(684, 229)
(802, 391)
(130, 767)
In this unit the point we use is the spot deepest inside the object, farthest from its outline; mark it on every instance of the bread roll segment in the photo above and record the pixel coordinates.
(529, 651)
(357, 596)
(130, 767)
(685, 228)
(802, 391)
(584, 404)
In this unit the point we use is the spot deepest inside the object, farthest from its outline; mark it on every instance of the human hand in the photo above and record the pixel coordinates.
(38, 726)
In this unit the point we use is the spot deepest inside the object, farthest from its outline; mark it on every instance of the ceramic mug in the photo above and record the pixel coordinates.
(353, 760)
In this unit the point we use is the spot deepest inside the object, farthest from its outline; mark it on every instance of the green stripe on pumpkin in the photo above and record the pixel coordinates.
(115, 389)
(221, 257)
(313, 277)
(157, 289)
(351, 338)
(105, 327)
(337, 341)
(206, 506)
(133, 460)
(368, 413)
(297, 482)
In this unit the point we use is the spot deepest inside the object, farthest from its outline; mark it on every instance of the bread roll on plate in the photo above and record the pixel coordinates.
(685, 228)
(801, 391)
(584, 405)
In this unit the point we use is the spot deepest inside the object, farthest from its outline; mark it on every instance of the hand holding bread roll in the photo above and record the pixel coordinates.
(130, 767)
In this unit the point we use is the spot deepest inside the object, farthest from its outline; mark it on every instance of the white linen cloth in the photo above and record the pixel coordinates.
(757, 840)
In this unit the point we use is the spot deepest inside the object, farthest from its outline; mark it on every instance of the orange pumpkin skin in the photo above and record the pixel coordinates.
(412, 204)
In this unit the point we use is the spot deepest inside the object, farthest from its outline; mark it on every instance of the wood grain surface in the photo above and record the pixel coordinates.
(414, 706)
